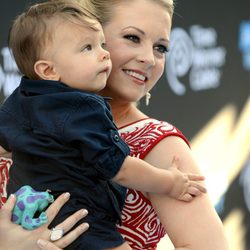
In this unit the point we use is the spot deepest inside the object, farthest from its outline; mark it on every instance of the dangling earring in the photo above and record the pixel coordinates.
(147, 98)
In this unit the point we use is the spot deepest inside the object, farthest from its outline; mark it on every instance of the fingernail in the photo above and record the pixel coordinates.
(66, 196)
(41, 243)
(85, 226)
(84, 211)
(12, 196)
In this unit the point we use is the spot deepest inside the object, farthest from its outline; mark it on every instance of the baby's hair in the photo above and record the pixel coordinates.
(33, 30)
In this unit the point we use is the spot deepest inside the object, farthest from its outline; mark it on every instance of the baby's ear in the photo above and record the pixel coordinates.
(46, 70)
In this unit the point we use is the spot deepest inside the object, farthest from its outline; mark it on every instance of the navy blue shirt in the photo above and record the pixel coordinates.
(64, 139)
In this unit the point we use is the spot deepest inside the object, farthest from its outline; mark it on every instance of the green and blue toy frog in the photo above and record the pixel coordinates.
(29, 203)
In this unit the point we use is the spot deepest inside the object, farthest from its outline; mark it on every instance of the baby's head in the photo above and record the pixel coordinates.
(32, 32)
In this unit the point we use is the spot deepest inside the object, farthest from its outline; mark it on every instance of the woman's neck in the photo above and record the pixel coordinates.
(125, 113)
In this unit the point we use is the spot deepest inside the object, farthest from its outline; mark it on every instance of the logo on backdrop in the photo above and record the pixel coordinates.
(9, 74)
(244, 43)
(197, 56)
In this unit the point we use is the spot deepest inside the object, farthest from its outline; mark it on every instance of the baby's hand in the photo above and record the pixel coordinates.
(185, 186)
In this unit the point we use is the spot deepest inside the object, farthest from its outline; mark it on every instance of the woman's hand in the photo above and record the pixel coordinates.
(14, 237)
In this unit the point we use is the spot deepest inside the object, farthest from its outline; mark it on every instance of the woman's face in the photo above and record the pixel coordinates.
(137, 38)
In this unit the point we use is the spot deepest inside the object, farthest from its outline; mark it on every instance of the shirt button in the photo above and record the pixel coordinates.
(116, 138)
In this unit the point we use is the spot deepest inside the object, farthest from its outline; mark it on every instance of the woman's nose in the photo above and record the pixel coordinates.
(146, 56)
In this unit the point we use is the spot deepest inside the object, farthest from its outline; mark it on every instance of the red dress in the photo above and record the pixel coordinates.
(4, 176)
(141, 227)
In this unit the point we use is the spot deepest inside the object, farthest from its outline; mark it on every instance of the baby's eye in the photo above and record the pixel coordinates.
(88, 47)
(161, 49)
(132, 38)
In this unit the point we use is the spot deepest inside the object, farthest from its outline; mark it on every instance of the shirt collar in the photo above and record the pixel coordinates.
(43, 86)
(48, 86)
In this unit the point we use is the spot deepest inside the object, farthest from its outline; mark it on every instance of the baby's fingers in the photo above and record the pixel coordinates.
(195, 177)
(187, 197)
(196, 186)
(194, 189)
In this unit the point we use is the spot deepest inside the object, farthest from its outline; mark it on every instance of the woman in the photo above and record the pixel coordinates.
(137, 37)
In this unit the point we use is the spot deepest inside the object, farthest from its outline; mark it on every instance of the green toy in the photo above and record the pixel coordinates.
(29, 203)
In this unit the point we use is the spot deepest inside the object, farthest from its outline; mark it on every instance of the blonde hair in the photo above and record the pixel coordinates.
(33, 29)
(103, 8)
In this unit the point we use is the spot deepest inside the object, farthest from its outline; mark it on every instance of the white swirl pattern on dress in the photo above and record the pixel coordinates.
(141, 227)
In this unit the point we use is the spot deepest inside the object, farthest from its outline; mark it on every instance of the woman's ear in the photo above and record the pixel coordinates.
(46, 70)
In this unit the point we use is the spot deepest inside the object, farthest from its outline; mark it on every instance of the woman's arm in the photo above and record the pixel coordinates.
(14, 237)
(194, 225)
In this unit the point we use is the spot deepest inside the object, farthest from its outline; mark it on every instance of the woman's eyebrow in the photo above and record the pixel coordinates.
(133, 27)
(164, 40)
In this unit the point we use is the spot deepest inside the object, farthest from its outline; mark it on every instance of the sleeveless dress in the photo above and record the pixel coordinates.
(140, 227)
(4, 176)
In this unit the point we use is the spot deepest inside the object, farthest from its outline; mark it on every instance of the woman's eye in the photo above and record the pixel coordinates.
(104, 46)
(132, 38)
(87, 48)
(162, 49)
